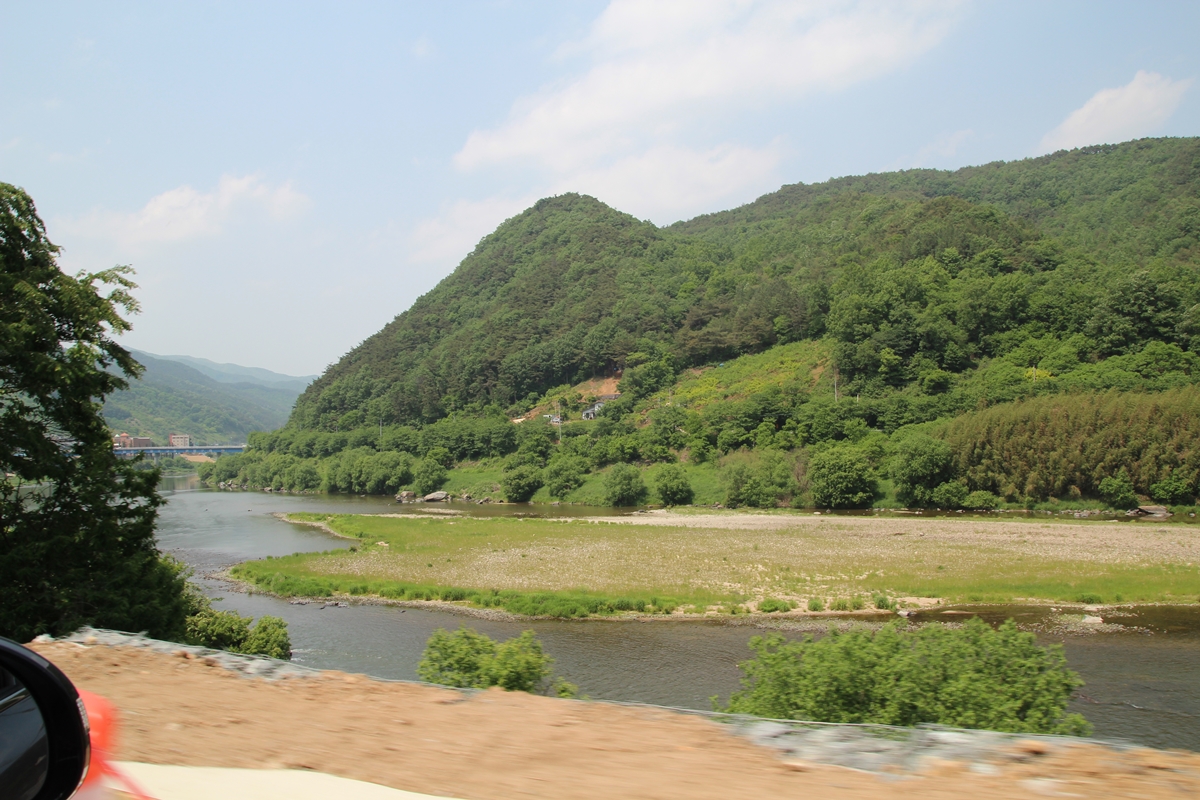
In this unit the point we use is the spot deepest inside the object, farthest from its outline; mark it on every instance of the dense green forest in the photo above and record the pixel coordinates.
(1016, 332)
(172, 397)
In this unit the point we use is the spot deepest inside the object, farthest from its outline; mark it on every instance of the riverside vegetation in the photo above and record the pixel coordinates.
(1020, 334)
(472, 660)
(968, 677)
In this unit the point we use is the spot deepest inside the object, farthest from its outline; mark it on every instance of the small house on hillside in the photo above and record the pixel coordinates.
(591, 411)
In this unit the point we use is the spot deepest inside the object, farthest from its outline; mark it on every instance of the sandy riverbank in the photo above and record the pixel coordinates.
(511, 745)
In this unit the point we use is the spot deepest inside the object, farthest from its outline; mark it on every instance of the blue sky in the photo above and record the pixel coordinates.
(287, 177)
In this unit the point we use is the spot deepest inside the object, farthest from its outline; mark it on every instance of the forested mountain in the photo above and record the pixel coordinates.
(172, 397)
(907, 273)
(1024, 333)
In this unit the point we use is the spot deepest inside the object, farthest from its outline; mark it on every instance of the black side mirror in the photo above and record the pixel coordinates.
(45, 743)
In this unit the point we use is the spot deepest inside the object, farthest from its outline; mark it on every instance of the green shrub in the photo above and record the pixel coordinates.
(815, 604)
(623, 486)
(469, 659)
(883, 602)
(268, 637)
(951, 494)
(857, 603)
(429, 476)
(841, 478)
(981, 501)
(770, 605)
(222, 630)
(564, 475)
(1117, 491)
(440, 455)
(745, 488)
(839, 604)
(673, 486)
(228, 630)
(1088, 598)
(1172, 491)
(520, 483)
(969, 677)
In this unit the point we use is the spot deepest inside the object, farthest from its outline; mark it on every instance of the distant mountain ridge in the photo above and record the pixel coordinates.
(235, 373)
(173, 396)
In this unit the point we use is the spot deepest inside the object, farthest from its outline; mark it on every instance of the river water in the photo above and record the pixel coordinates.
(1142, 686)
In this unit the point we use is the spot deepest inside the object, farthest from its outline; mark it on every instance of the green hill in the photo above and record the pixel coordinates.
(810, 347)
(905, 272)
(172, 397)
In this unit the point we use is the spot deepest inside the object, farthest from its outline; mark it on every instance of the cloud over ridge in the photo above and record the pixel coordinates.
(656, 67)
(1137, 109)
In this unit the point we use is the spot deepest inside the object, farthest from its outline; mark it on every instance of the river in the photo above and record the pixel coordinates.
(1141, 687)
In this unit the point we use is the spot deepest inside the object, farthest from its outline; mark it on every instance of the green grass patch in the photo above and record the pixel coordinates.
(800, 364)
(580, 568)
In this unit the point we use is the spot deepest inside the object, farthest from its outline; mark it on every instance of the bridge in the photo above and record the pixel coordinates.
(194, 450)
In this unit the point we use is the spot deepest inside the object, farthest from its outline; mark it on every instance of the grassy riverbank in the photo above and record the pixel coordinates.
(728, 563)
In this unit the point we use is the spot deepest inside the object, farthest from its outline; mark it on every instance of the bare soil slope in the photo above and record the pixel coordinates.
(495, 744)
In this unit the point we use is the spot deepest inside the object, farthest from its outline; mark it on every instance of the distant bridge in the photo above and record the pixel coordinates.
(194, 450)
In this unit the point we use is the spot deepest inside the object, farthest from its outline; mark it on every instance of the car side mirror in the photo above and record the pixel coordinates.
(45, 744)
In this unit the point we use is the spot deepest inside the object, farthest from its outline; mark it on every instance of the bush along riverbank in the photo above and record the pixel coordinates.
(730, 564)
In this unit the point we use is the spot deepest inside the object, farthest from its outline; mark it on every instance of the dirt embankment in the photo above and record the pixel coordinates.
(496, 744)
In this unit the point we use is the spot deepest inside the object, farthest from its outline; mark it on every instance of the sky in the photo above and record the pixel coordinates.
(286, 178)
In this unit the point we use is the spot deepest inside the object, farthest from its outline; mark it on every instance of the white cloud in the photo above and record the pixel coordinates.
(1137, 109)
(447, 238)
(660, 67)
(640, 126)
(667, 180)
(184, 214)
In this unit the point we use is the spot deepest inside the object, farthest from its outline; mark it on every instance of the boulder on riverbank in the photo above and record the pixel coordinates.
(436, 497)
(406, 497)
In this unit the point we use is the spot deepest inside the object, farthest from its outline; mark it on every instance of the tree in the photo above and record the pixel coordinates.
(429, 476)
(970, 677)
(1117, 491)
(673, 486)
(76, 522)
(1172, 490)
(840, 478)
(565, 475)
(623, 486)
(745, 487)
(472, 660)
(920, 465)
(520, 483)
